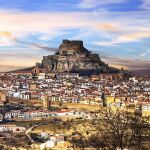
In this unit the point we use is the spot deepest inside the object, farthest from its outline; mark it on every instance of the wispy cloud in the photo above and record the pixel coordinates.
(145, 4)
(11, 39)
(145, 53)
(40, 46)
(125, 38)
(41, 22)
(119, 29)
(95, 3)
(108, 27)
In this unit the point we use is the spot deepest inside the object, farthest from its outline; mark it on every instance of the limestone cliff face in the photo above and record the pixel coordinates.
(73, 57)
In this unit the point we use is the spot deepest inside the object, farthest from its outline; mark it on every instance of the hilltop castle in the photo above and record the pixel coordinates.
(73, 57)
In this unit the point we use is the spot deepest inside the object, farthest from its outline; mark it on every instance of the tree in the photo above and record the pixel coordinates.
(121, 129)
(115, 130)
(61, 104)
(103, 97)
(140, 126)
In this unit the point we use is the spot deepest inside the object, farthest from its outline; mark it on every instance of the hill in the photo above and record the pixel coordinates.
(73, 57)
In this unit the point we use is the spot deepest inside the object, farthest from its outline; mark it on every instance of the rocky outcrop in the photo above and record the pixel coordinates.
(72, 46)
(73, 57)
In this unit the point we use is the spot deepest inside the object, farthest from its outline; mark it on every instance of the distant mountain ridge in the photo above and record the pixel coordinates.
(28, 69)
(141, 72)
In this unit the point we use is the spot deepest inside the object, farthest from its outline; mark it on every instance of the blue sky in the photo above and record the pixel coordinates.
(116, 29)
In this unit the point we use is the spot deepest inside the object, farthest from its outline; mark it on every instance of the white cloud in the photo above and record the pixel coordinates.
(53, 34)
(145, 4)
(126, 38)
(19, 24)
(95, 3)
(119, 27)
(46, 37)
(145, 53)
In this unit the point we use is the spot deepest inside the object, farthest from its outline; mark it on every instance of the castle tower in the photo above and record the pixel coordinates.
(46, 102)
(2, 96)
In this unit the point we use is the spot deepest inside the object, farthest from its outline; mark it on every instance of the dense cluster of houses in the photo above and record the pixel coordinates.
(12, 128)
(71, 88)
(39, 114)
